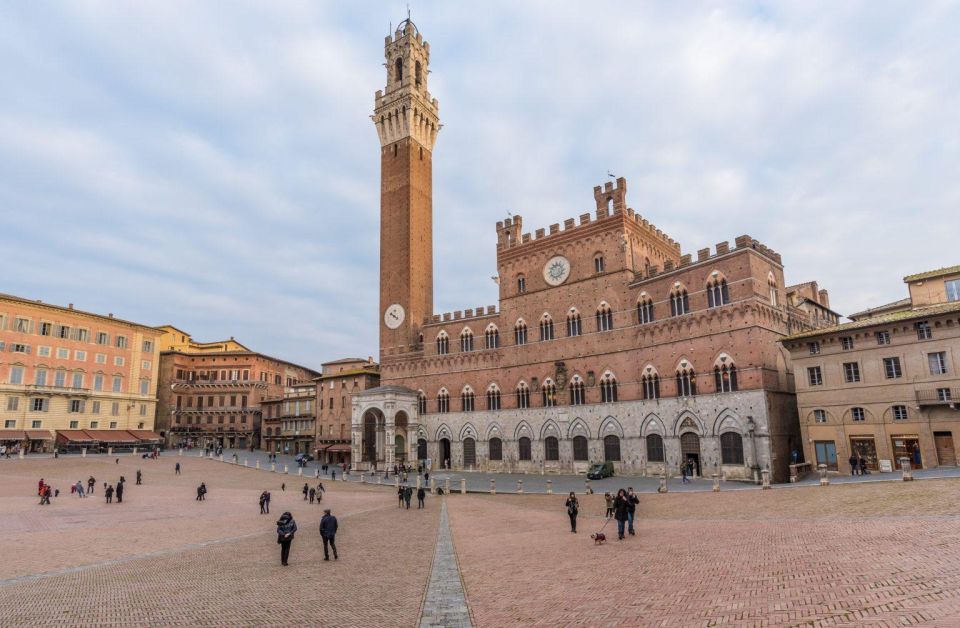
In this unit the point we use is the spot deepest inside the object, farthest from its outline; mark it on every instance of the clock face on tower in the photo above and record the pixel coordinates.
(394, 315)
(556, 270)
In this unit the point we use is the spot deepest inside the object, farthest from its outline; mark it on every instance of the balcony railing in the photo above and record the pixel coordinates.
(938, 397)
(62, 390)
(217, 383)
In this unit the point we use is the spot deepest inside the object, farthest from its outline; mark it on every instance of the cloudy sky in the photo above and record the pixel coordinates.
(213, 165)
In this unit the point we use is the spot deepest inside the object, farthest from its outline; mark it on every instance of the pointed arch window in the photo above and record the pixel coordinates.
(443, 344)
(679, 302)
(608, 389)
(491, 337)
(466, 400)
(418, 73)
(546, 328)
(611, 448)
(493, 398)
(524, 448)
(523, 395)
(466, 341)
(717, 292)
(520, 333)
(645, 310)
(654, 448)
(398, 70)
(731, 448)
(521, 284)
(578, 395)
(686, 382)
(421, 402)
(549, 393)
(443, 401)
(551, 449)
(574, 327)
(725, 377)
(604, 318)
(580, 449)
(496, 449)
(650, 385)
(598, 265)
(772, 289)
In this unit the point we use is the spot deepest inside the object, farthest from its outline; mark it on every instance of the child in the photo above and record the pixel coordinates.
(609, 499)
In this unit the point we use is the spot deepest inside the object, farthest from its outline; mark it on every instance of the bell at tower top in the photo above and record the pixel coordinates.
(406, 108)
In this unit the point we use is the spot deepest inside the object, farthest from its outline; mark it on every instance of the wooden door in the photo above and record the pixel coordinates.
(945, 453)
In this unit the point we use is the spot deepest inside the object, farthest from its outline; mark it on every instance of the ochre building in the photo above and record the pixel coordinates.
(609, 343)
(884, 386)
(210, 392)
(73, 379)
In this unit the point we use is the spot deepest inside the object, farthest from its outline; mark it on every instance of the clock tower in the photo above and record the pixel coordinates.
(407, 122)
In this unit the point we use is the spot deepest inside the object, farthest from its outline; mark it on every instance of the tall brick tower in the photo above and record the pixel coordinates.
(407, 122)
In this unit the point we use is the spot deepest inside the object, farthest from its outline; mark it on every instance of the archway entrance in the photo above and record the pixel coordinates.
(371, 449)
(445, 453)
(421, 449)
(400, 449)
(469, 453)
(690, 451)
(400, 423)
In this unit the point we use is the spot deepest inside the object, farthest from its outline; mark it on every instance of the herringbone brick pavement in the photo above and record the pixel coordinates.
(879, 555)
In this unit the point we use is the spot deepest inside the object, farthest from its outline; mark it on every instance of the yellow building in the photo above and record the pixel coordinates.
(75, 378)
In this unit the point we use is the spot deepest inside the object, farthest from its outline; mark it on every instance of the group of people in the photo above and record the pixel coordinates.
(622, 508)
(78, 487)
(287, 528)
(405, 494)
(858, 465)
(45, 491)
(315, 495)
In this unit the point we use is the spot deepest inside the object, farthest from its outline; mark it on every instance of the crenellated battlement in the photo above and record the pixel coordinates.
(611, 203)
(705, 255)
(461, 315)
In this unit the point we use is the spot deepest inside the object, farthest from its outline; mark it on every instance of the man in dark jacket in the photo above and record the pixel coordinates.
(109, 493)
(421, 494)
(328, 532)
(407, 494)
(286, 528)
(620, 508)
(120, 491)
(632, 501)
(139, 477)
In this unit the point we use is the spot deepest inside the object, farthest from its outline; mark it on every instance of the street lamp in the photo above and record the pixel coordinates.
(755, 468)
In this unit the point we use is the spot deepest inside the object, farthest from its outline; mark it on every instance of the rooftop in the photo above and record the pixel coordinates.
(883, 319)
(900, 304)
(948, 270)
(69, 309)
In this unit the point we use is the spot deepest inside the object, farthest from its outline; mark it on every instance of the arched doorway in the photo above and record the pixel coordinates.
(399, 448)
(444, 452)
(372, 427)
(690, 450)
(469, 453)
(421, 449)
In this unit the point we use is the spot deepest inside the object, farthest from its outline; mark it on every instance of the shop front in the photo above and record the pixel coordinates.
(865, 448)
(907, 446)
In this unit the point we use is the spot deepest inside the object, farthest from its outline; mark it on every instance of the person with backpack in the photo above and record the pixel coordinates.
(573, 508)
(286, 528)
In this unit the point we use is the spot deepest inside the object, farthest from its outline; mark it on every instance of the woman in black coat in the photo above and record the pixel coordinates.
(573, 508)
(621, 508)
(286, 528)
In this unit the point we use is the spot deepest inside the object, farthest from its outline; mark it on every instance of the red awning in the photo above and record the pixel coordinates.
(39, 435)
(333, 449)
(145, 435)
(13, 435)
(111, 436)
(78, 436)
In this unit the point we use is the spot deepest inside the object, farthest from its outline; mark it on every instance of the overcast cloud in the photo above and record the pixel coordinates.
(212, 164)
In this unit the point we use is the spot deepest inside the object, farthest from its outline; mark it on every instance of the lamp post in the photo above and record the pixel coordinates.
(755, 468)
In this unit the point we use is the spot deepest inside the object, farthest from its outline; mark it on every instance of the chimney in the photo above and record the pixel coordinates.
(69, 306)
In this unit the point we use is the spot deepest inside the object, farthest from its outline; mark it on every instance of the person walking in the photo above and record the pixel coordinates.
(863, 467)
(853, 464)
(268, 501)
(139, 477)
(306, 490)
(608, 498)
(328, 533)
(683, 474)
(286, 528)
(120, 490)
(90, 484)
(400, 490)
(313, 495)
(79, 489)
(421, 494)
(263, 503)
(620, 508)
(109, 493)
(407, 495)
(632, 501)
(333, 474)
(573, 508)
(320, 492)
(176, 469)
(201, 492)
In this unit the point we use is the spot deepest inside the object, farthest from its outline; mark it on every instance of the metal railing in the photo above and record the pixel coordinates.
(938, 396)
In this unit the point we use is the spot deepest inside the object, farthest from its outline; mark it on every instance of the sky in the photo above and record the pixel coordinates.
(213, 165)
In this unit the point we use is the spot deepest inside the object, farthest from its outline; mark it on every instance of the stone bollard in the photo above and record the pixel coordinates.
(246, 462)
(907, 469)
(765, 474)
(446, 486)
(273, 467)
(519, 486)
(316, 473)
(300, 471)
(716, 483)
(663, 483)
(824, 480)
(109, 451)
(180, 453)
(258, 465)
(379, 479)
(549, 487)
(433, 486)
(21, 454)
(587, 490)
(83, 452)
(361, 478)
(221, 457)
(134, 451)
(463, 486)
(493, 486)
(286, 469)
(396, 482)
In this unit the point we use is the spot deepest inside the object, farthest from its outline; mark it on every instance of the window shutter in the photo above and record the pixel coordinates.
(27, 347)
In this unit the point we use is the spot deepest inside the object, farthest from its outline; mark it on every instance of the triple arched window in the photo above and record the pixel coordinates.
(549, 393)
(578, 396)
(650, 385)
(679, 302)
(443, 343)
(644, 310)
(546, 328)
(725, 377)
(523, 395)
(443, 401)
(466, 340)
(574, 328)
(717, 292)
(491, 337)
(608, 388)
(467, 399)
(493, 397)
(686, 382)
(604, 318)
(520, 332)
(421, 402)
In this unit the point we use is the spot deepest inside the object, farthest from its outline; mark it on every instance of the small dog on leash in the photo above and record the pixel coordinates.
(599, 538)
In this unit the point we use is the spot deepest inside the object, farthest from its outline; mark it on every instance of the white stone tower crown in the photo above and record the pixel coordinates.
(406, 108)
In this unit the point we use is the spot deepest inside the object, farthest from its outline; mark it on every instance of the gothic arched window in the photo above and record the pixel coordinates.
(608, 388)
(604, 318)
(725, 377)
(443, 343)
(650, 384)
(546, 328)
(491, 337)
(466, 399)
(493, 397)
(523, 396)
(496, 449)
(654, 448)
(520, 332)
(524, 447)
(686, 382)
(611, 448)
(551, 448)
(466, 340)
(421, 402)
(574, 327)
(418, 74)
(679, 302)
(580, 451)
(717, 293)
(578, 395)
(398, 70)
(549, 394)
(443, 401)
(644, 310)
(731, 448)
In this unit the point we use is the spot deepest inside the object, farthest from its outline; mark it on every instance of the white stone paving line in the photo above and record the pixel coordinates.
(445, 603)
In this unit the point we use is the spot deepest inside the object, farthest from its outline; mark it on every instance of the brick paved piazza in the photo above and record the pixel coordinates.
(883, 553)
